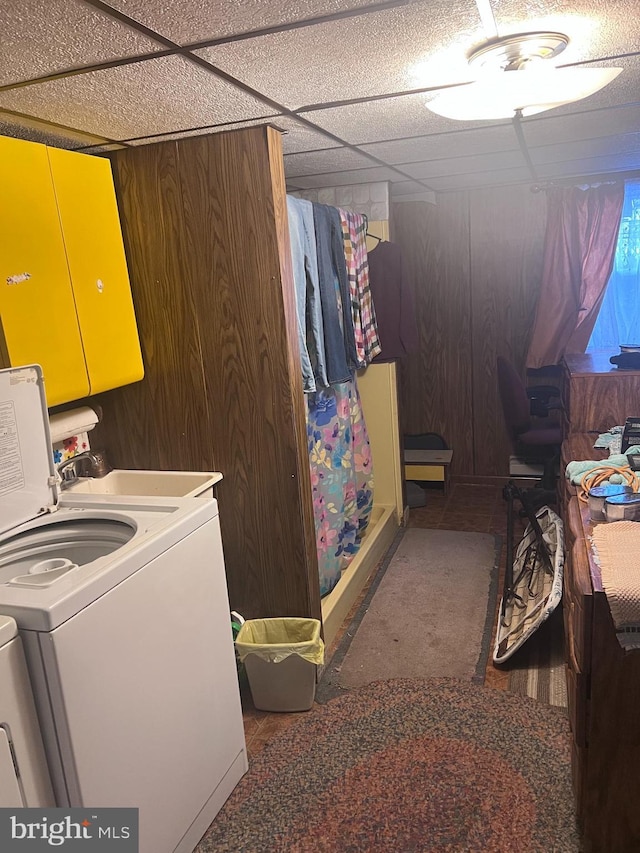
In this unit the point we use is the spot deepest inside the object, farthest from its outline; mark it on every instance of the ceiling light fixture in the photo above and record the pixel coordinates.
(516, 78)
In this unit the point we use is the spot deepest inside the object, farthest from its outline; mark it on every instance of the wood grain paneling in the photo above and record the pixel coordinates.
(160, 422)
(506, 253)
(206, 232)
(251, 369)
(436, 381)
(597, 394)
(475, 262)
(298, 405)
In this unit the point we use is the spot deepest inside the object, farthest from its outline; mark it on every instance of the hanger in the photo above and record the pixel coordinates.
(366, 230)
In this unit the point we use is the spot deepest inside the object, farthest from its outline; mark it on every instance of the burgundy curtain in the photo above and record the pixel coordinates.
(580, 244)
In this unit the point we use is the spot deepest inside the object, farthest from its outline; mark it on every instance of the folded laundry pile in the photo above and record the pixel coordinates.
(575, 471)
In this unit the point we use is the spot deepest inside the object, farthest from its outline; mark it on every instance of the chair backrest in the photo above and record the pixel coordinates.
(513, 395)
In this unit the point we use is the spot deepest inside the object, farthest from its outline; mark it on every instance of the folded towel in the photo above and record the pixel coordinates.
(611, 440)
(575, 471)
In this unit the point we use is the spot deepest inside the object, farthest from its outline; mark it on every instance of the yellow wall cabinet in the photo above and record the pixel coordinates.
(65, 299)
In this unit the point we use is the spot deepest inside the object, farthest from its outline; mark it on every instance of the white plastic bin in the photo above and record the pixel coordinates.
(281, 656)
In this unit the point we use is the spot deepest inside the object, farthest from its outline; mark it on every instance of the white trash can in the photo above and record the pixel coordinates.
(280, 657)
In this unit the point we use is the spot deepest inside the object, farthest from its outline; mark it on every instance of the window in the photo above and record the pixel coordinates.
(619, 318)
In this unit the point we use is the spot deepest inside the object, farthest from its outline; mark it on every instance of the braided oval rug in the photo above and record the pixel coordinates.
(408, 765)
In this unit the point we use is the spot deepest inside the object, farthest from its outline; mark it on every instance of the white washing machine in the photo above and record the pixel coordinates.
(123, 610)
(24, 775)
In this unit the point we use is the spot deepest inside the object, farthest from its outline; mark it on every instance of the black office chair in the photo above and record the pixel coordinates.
(541, 396)
(534, 441)
(542, 399)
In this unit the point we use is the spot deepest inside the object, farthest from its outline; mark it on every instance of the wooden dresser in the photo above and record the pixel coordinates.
(596, 394)
(603, 685)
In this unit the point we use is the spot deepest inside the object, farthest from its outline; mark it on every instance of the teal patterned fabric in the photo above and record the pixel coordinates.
(341, 477)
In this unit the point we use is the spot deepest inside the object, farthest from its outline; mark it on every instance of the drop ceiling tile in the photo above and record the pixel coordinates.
(386, 119)
(202, 20)
(591, 166)
(406, 47)
(200, 131)
(41, 37)
(21, 127)
(488, 179)
(454, 144)
(548, 128)
(340, 179)
(296, 137)
(155, 96)
(606, 146)
(331, 160)
(464, 165)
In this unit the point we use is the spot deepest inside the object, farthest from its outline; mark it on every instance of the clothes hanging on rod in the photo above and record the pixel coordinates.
(394, 301)
(340, 348)
(354, 229)
(308, 303)
(337, 330)
(331, 273)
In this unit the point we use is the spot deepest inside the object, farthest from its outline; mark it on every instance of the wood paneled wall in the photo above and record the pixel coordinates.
(475, 262)
(436, 382)
(205, 227)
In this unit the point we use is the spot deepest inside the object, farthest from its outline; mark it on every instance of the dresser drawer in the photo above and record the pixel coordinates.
(577, 633)
(578, 615)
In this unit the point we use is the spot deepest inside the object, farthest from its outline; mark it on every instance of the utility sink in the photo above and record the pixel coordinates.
(172, 484)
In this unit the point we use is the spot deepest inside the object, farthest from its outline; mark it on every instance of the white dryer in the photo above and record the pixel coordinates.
(123, 610)
(24, 775)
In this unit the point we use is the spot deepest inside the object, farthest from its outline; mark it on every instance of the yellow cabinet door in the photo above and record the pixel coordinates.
(95, 252)
(37, 307)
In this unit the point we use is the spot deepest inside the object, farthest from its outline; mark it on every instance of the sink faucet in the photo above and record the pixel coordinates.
(90, 463)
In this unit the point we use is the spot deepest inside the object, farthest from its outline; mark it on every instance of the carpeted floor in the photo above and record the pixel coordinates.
(429, 613)
(405, 766)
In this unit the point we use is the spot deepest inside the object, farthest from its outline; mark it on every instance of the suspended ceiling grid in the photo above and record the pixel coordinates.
(346, 82)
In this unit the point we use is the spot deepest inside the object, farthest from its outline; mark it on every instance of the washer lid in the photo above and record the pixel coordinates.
(28, 483)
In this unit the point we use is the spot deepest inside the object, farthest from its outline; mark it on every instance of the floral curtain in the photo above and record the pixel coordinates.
(341, 477)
